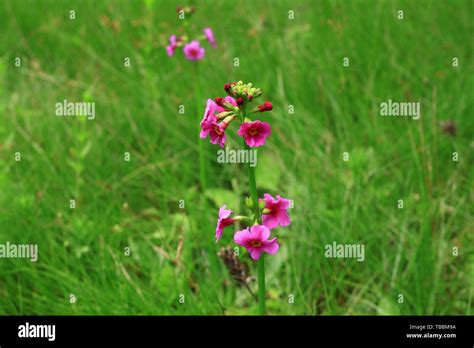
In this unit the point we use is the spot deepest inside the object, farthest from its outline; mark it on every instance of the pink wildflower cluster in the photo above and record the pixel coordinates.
(256, 239)
(192, 49)
(220, 112)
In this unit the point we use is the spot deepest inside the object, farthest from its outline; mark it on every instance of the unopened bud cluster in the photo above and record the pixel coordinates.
(244, 91)
(221, 111)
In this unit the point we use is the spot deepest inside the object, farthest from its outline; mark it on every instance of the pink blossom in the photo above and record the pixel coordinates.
(210, 37)
(255, 240)
(254, 132)
(217, 133)
(209, 125)
(193, 50)
(277, 211)
(208, 118)
(172, 46)
(223, 221)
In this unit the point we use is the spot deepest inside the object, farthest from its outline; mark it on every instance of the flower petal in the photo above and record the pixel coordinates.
(255, 253)
(242, 237)
(271, 246)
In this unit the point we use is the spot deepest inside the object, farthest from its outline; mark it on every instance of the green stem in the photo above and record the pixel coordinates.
(256, 218)
(202, 162)
(261, 284)
(253, 189)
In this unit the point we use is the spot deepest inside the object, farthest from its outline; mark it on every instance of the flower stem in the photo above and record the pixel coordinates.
(253, 189)
(261, 284)
(202, 163)
(256, 213)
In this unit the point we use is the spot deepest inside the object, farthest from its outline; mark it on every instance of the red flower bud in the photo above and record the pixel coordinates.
(227, 87)
(240, 101)
(267, 106)
(219, 101)
(250, 97)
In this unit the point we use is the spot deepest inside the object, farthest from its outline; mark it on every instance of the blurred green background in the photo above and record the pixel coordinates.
(296, 62)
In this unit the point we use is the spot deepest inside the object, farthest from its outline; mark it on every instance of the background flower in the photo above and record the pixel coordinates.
(193, 50)
(172, 46)
(210, 37)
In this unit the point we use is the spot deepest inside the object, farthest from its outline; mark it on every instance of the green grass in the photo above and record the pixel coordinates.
(136, 204)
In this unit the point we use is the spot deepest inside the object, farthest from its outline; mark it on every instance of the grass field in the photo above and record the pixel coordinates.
(82, 267)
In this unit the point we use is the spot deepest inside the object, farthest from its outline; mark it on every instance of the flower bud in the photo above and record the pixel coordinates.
(229, 119)
(229, 106)
(267, 106)
(240, 218)
(227, 87)
(249, 202)
(224, 114)
(219, 101)
(240, 101)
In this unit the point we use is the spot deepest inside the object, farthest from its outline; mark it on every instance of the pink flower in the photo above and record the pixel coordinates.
(223, 221)
(277, 211)
(255, 240)
(217, 133)
(210, 37)
(209, 118)
(193, 50)
(172, 46)
(254, 132)
(209, 125)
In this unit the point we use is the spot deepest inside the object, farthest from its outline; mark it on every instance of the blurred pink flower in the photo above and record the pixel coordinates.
(255, 240)
(210, 37)
(172, 46)
(254, 132)
(277, 211)
(193, 50)
(223, 221)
